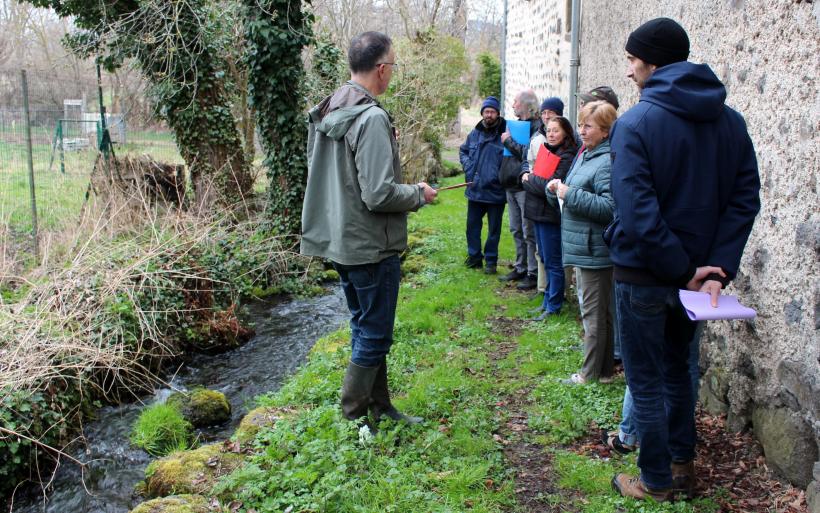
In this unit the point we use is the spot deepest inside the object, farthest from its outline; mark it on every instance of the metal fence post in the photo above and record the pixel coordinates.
(30, 166)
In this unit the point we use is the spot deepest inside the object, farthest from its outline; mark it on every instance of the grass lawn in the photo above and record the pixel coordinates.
(501, 432)
(61, 181)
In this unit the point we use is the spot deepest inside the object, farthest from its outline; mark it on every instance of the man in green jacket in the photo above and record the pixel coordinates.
(355, 215)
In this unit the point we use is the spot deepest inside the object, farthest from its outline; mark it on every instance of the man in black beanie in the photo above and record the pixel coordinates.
(686, 189)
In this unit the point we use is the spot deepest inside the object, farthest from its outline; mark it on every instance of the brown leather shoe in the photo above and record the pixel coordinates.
(683, 478)
(633, 486)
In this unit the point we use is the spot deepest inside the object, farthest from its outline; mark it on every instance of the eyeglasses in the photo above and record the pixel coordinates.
(394, 65)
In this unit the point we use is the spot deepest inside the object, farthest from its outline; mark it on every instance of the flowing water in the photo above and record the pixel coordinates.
(285, 332)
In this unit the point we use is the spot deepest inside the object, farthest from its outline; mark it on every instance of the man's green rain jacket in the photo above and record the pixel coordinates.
(355, 209)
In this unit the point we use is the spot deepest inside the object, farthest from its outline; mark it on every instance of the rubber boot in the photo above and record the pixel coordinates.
(356, 390)
(381, 405)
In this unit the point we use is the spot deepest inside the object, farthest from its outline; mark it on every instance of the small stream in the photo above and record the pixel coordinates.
(285, 333)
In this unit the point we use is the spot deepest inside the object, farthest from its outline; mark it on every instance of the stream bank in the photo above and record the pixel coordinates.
(285, 332)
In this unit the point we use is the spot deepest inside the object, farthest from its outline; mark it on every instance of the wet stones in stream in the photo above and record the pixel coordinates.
(202, 407)
(191, 472)
(175, 504)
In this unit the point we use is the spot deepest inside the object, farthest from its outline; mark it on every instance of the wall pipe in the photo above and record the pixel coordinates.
(574, 61)
(504, 59)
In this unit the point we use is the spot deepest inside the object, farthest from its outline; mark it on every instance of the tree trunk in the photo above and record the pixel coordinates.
(275, 81)
(220, 174)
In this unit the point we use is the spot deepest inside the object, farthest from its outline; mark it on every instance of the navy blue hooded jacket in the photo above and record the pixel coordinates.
(684, 179)
(480, 156)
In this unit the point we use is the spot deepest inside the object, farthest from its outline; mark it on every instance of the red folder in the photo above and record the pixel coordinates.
(546, 162)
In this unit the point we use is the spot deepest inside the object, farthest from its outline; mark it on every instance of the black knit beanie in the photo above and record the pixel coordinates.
(660, 42)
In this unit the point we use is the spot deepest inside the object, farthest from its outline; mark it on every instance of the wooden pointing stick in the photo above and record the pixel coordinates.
(456, 186)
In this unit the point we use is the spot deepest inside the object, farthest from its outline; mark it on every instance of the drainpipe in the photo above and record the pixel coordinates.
(574, 61)
(504, 58)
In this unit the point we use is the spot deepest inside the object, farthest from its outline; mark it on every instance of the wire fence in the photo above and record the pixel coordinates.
(50, 134)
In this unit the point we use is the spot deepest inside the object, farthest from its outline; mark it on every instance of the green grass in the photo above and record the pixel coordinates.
(60, 181)
(441, 367)
(161, 429)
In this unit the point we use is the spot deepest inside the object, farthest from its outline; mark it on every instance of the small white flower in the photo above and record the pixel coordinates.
(365, 435)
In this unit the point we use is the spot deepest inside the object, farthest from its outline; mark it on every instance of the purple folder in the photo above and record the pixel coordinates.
(519, 131)
(698, 306)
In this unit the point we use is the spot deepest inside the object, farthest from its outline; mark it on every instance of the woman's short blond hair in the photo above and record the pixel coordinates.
(601, 113)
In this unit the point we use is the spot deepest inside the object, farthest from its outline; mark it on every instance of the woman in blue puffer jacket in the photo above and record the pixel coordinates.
(587, 208)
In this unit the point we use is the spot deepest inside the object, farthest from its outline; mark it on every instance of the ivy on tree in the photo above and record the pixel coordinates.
(276, 31)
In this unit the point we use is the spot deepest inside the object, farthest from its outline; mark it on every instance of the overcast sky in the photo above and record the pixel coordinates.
(485, 9)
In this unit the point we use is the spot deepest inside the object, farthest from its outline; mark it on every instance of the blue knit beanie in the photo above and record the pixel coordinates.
(491, 102)
(554, 104)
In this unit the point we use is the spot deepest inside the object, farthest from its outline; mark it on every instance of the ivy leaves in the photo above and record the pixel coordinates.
(276, 31)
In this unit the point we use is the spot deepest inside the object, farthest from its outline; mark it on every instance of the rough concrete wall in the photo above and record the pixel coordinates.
(537, 50)
(766, 373)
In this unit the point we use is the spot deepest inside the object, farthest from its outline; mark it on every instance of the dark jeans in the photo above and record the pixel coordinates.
(548, 241)
(371, 291)
(655, 336)
(628, 432)
(475, 214)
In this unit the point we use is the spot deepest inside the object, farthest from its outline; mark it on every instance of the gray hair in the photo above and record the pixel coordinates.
(529, 100)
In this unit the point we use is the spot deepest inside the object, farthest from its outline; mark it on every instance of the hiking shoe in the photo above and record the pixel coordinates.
(490, 269)
(633, 486)
(612, 439)
(513, 276)
(473, 263)
(543, 316)
(529, 282)
(683, 478)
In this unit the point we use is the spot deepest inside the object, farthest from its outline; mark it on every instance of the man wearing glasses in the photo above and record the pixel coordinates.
(355, 215)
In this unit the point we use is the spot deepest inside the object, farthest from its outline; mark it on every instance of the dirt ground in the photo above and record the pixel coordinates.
(731, 467)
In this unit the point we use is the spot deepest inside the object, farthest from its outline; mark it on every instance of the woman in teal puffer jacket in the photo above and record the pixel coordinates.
(587, 208)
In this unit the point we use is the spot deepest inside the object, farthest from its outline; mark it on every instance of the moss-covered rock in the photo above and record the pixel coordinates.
(414, 241)
(330, 275)
(788, 441)
(190, 472)
(259, 418)
(714, 390)
(174, 504)
(202, 407)
(413, 264)
(331, 343)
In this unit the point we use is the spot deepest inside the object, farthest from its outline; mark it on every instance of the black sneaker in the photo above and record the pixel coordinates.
(513, 276)
(529, 282)
(490, 269)
(473, 263)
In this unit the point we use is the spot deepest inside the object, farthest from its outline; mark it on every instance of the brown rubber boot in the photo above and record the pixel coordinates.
(633, 486)
(683, 478)
(381, 405)
(356, 390)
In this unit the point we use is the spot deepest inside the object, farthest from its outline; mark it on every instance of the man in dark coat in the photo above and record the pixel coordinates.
(686, 189)
(480, 156)
(525, 268)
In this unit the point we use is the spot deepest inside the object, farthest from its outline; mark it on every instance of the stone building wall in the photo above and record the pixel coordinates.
(537, 50)
(764, 374)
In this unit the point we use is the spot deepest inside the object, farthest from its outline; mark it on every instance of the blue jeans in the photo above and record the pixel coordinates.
(371, 291)
(655, 338)
(627, 430)
(522, 232)
(548, 239)
(475, 215)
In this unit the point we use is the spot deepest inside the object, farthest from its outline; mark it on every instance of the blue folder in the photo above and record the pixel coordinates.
(520, 132)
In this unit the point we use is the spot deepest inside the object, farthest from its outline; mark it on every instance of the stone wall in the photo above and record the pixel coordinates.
(537, 50)
(764, 374)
